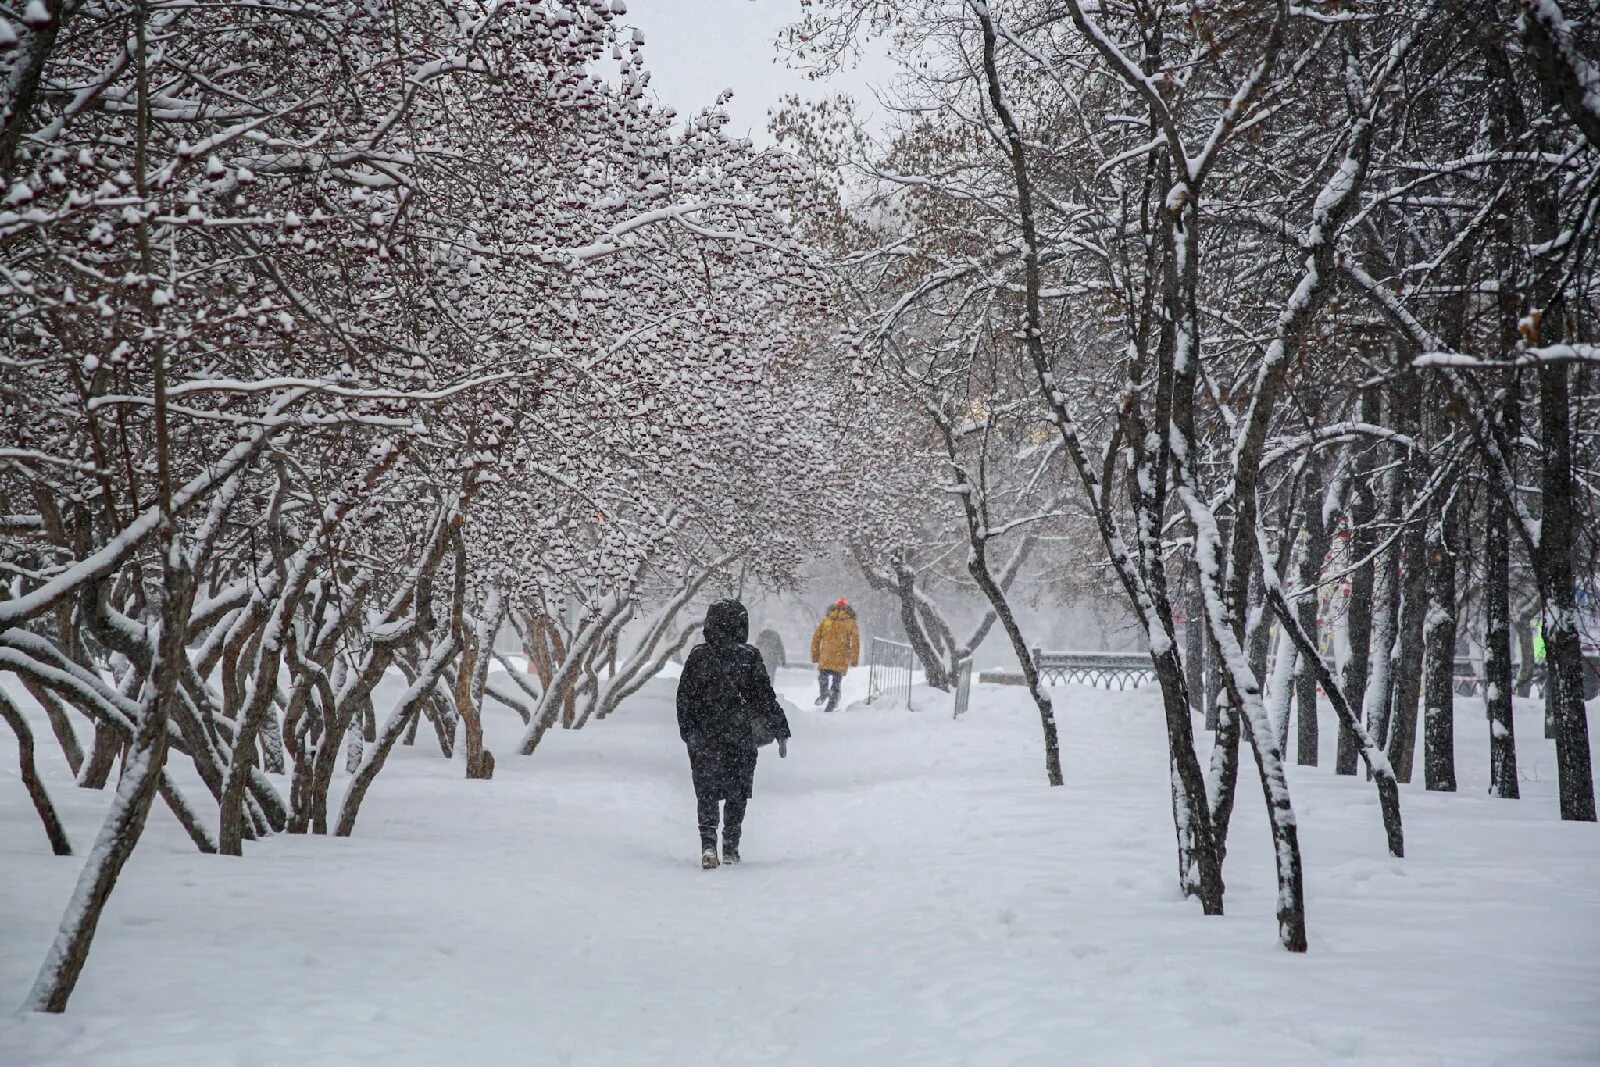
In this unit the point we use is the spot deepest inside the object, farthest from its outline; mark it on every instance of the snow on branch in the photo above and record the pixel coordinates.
(1542, 355)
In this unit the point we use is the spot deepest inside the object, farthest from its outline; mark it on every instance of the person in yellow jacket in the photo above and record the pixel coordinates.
(835, 648)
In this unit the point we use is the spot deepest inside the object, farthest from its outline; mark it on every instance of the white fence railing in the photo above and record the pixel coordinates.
(889, 666)
(963, 687)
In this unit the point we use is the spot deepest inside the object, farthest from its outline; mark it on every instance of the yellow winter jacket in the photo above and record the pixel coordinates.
(836, 645)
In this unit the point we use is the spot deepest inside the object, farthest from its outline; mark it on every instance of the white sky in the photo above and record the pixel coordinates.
(696, 48)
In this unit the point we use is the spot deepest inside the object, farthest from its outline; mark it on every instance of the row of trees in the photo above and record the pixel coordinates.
(334, 341)
(1274, 299)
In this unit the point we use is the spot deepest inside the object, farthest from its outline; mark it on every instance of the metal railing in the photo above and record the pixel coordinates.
(963, 688)
(1129, 670)
(889, 666)
(1126, 670)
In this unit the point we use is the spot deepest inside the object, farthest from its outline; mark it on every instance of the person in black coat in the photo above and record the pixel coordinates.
(724, 698)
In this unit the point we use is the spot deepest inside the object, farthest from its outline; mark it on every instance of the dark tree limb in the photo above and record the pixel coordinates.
(1377, 764)
(31, 781)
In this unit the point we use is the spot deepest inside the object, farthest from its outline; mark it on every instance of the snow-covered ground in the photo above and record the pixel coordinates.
(913, 893)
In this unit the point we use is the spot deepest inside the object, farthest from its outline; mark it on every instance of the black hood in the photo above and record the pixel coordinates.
(727, 623)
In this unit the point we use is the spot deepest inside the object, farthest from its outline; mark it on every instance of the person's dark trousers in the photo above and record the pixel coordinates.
(732, 818)
(829, 681)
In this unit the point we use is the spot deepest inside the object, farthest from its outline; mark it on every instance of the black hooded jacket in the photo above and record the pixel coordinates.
(723, 684)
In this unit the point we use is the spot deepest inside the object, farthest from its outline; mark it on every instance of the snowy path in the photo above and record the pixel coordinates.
(913, 894)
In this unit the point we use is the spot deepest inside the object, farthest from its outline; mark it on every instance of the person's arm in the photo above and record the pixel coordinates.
(759, 687)
(691, 697)
(767, 697)
(816, 643)
(855, 645)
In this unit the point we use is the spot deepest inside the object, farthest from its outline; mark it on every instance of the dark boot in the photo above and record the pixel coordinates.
(732, 825)
(707, 809)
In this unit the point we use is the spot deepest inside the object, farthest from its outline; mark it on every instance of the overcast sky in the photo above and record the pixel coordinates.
(697, 48)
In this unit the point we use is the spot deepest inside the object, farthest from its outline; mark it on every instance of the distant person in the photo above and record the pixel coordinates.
(770, 645)
(835, 648)
(726, 710)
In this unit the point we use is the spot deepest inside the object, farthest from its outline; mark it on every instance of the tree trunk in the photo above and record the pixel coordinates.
(60, 723)
(1527, 670)
(1439, 639)
(1281, 687)
(1407, 594)
(1194, 639)
(472, 673)
(355, 749)
(103, 754)
(1213, 682)
(1497, 646)
(271, 739)
(1307, 739)
(1222, 777)
(978, 567)
(911, 623)
(1362, 540)
(1558, 588)
(411, 731)
(1377, 766)
(1385, 624)
(1200, 863)
(1547, 690)
(262, 688)
(558, 654)
(125, 822)
(187, 817)
(410, 707)
(440, 711)
(1318, 537)
(1409, 653)
(560, 691)
(30, 779)
(130, 808)
(1259, 641)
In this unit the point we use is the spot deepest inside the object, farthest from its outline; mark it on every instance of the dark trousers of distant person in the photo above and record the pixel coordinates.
(828, 681)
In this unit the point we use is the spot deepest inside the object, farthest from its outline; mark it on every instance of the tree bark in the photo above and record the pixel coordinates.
(1439, 639)
(60, 723)
(1497, 644)
(1019, 644)
(472, 672)
(1214, 693)
(1527, 670)
(1361, 542)
(187, 817)
(905, 592)
(119, 834)
(1409, 651)
(1385, 624)
(103, 753)
(31, 781)
(130, 808)
(1318, 537)
(1194, 639)
(1558, 587)
(1564, 71)
(1366, 749)
(1412, 586)
(410, 706)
